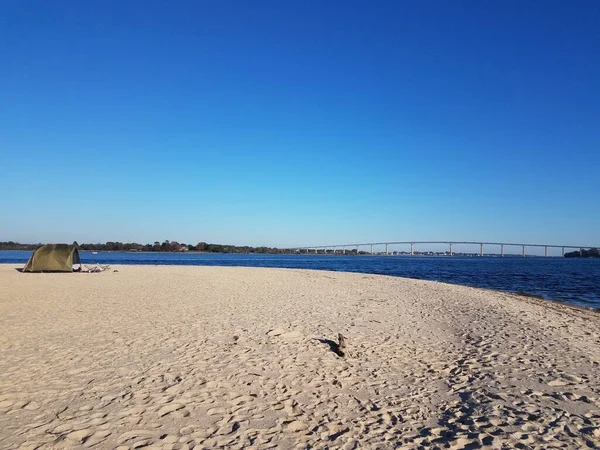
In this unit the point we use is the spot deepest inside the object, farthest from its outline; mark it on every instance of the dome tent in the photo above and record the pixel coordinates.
(53, 258)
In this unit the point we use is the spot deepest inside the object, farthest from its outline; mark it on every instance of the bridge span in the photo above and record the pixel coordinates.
(326, 249)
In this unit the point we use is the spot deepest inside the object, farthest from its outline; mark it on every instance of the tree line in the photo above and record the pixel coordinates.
(165, 246)
(591, 253)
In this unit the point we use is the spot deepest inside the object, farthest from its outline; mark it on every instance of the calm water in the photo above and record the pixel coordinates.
(575, 281)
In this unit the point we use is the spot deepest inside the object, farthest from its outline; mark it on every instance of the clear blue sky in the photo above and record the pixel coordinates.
(300, 123)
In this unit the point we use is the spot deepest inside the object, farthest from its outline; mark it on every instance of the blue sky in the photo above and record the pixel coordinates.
(300, 123)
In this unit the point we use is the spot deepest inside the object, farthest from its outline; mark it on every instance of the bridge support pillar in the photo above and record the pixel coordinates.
(343, 250)
(563, 251)
(386, 249)
(546, 251)
(450, 248)
(501, 249)
(580, 252)
(371, 249)
(480, 249)
(412, 250)
(523, 250)
(357, 252)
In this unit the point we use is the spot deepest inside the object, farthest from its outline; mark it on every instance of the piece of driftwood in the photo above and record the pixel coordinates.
(341, 347)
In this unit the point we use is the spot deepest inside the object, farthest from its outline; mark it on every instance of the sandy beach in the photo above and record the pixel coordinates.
(203, 357)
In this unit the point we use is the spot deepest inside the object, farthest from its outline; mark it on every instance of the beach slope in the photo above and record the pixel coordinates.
(182, 357)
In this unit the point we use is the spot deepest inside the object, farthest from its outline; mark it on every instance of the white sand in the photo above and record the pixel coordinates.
(177, 357)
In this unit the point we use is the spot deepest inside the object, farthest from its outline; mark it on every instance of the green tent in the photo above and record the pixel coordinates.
(53, 258)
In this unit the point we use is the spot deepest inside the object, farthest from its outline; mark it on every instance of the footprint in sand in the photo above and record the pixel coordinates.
(80, 436)
(296, 426)
(136, 435)
(168, 409)
(287, 335)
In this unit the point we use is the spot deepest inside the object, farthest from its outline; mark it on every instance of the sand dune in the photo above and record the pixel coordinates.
(205, 357)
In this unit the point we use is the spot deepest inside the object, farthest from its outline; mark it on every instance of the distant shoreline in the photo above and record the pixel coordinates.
(403, 254)
(203, 247)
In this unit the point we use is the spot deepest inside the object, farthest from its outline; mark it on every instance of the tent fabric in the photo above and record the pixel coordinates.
(53, 258)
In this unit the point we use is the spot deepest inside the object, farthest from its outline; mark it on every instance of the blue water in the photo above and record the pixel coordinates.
(571, 280)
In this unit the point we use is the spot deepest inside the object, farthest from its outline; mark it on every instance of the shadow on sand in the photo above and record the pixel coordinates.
(333, 346)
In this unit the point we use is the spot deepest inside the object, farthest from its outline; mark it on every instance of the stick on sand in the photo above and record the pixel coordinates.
(342, 345)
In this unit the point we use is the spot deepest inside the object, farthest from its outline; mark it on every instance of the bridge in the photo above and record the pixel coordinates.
(325, 249)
